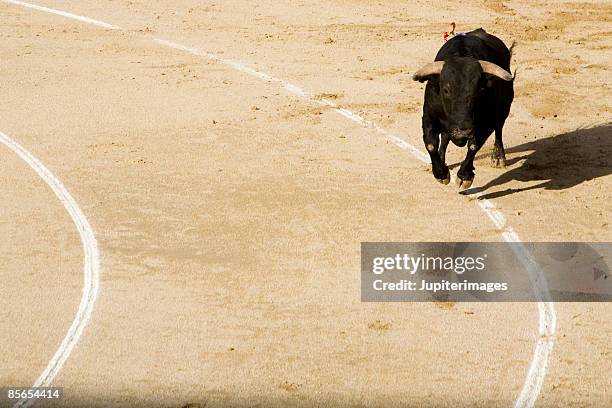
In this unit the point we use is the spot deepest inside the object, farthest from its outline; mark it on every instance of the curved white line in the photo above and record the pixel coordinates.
(546, 310)
(91, 268)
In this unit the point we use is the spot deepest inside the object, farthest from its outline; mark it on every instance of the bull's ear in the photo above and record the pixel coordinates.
(487, 80)
(429, 70)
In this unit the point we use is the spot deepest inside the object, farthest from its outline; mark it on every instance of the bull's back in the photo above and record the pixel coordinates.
(477, 44)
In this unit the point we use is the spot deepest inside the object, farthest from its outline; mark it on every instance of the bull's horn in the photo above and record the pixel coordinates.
(493, 69)
(432, 68)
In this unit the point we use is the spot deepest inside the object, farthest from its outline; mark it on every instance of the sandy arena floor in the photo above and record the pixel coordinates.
(229, 212)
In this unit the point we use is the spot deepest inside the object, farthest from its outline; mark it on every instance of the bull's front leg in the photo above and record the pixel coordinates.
(444, 139)
(465, 175)
(432, 142)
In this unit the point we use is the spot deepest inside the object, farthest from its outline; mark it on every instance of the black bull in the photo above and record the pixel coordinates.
(468, 96)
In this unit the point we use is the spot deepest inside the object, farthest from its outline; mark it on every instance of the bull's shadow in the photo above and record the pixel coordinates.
(562, 161)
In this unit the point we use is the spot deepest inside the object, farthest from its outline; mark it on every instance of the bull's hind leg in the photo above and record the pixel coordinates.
(498, 155)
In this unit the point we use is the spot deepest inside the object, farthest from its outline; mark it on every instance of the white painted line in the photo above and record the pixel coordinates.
(91, 267)
(547, 324)
(547, 316)
(496, 216)
(82, 19)
(299, 92)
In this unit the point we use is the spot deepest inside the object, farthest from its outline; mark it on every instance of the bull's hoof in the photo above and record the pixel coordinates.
(444, 181)
(463, 184)
(498, 162)
(498, 158)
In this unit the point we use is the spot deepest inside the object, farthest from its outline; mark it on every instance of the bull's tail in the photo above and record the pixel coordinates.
(511, 49)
